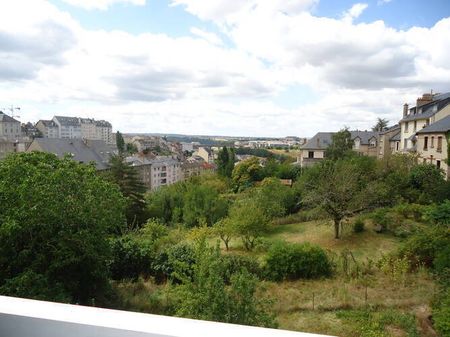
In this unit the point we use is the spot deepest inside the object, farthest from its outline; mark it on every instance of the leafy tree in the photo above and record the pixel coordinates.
(274, 198)
(206, 296)
(246, 173)
(381, 124)
(55, 218)
(120, 142)
(341, 188)
(166, 204)
(203, 203)
(249, 221)
(428, 182)
(225, 230)
(132, 188)
(131, 148)
(341, 145)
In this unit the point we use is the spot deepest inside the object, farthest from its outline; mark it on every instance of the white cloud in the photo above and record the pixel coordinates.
(354, 12)
(195, 84)
(102, 4)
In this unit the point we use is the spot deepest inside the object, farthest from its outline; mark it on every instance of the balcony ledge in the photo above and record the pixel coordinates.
(23, 317)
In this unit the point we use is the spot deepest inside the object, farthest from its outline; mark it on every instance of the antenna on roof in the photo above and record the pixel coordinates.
(12, 108)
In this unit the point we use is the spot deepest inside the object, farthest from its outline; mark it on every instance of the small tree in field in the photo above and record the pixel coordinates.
(340, 188)
(225, 230)
(249, 222)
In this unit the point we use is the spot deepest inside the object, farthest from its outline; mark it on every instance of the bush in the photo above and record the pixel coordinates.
(295, 261)
(130, 258)
(424, 246)
(439, 214)
(410, 211)
(358, 226)
(441, 315)
(235, 263)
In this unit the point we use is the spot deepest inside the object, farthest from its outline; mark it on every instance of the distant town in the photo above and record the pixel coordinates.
(166, 159)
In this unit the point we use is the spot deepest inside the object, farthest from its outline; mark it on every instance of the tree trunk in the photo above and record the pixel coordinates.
(336, 228)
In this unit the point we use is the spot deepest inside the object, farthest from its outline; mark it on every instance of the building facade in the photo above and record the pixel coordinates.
(48, 128)
(10, 128)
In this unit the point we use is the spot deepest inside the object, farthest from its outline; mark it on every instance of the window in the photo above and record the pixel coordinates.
(432, 142)
(425, 143)
(397, 145)
(438, 164)
(405, 145)
(415, 126)
(311, 154)
(439, 144)
(406, 126)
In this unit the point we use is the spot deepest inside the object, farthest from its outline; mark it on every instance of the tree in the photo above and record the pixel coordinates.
(202, 203)
(225, 230)
(381, 125)
(249, 221)
(120, 142)
(205, 295)
(55, 220)
(246, 173)
(225, 162)
(341, 145)
(341, 188)
(274, 198)
(132, 188)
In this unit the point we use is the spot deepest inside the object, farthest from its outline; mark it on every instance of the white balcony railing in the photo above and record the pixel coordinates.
(30, 318)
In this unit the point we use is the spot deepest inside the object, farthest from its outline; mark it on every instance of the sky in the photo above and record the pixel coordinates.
(269, 68)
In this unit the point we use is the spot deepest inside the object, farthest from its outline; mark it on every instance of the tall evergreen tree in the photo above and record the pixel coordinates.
(131, 187)
(120, 142)
(381, 124)
(225, 161)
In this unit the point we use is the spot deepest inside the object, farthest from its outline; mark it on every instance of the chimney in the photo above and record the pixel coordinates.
(405, 109)
(426, 98)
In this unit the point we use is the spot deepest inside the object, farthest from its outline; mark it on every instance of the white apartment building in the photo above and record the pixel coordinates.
(76, 128)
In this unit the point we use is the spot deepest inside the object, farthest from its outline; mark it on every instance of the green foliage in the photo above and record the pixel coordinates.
(358, 225)
(341, 145)
(233, 264)
(166, 204)
(132, 188)
(373, 324)
(55, 217)
(441, 314)
(427, 181)
(274, 198)
(131, 258)
(262, 153)
(120, 142)
(246, 173)
(225, 162)
(296, 261)
(249, 221)
(439, 214)
(225, 230)
(206, 296)
(341, 188)
(202, 203)
(381, 124)
(424, 246)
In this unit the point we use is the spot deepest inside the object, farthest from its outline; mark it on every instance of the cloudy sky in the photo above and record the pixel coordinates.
(224, 67)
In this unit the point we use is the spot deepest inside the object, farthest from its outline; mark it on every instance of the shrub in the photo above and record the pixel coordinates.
(441, 315)
(295, 261)
(130, 258)
(381, 219)
(439, 214)
(180, 258)
(358, 226)
(410, 211)
(235, 263)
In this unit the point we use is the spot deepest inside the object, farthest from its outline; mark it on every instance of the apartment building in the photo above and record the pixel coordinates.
(433, 144)
(389, 141)
(157, 172)
(48, 128)
(76, 128)
(429, 109)
(10, 128)
(364, 143)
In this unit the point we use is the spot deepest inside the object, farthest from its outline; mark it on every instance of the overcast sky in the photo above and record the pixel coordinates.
(223, 67)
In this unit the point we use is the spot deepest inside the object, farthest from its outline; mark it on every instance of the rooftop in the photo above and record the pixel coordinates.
(4, 118)
(440, 126)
